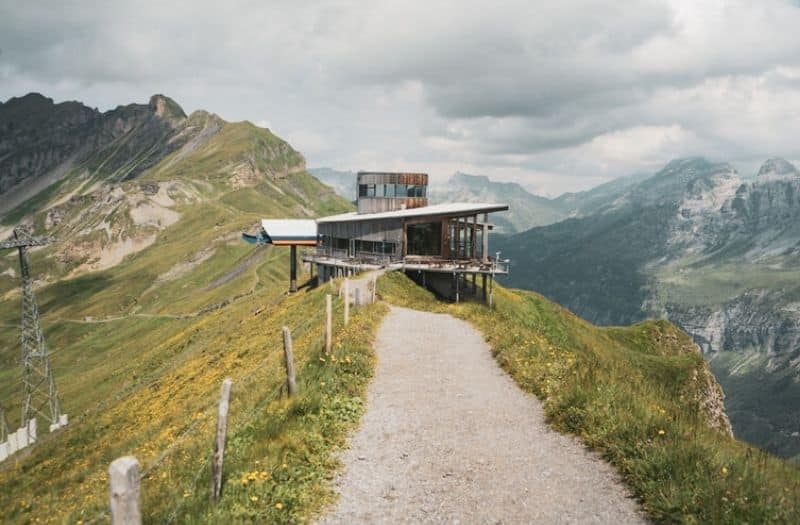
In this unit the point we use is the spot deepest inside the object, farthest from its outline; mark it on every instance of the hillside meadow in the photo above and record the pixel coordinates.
(641, 396)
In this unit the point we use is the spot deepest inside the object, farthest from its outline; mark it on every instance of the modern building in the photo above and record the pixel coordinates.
(441, 246)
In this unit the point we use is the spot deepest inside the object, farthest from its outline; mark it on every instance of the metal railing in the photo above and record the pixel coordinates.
(324, 255)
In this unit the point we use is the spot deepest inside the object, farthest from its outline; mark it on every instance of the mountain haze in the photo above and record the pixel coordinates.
(342, 182)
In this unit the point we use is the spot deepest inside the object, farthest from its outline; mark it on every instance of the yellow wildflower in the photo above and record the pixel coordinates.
(279, 505)
(661, 432)
(253, 498)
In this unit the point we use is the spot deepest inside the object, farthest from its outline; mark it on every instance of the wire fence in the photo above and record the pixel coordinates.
(240, 385)
(190, 435)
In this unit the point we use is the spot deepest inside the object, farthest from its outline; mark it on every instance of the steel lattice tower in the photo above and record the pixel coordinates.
(40, 396)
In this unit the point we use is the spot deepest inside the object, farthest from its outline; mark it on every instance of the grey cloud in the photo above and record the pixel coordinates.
(526, 85)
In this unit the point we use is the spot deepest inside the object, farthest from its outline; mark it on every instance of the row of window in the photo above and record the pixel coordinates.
(375, 247)
(391, 190)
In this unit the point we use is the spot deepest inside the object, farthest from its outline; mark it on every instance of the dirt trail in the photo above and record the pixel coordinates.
(448, 437)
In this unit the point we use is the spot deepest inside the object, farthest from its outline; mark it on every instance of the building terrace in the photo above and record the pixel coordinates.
(438, 245)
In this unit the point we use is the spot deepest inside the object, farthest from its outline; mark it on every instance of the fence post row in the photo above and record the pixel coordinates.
(124, 478)
(291, 385)
(219, 443)
(124, 473)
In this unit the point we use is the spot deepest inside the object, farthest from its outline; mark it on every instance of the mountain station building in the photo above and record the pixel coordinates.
(440, 246)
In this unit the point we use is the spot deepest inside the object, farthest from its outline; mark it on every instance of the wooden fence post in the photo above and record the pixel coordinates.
(123, 480)
(219, 443)
(291, 385)
(357, 301)
(346, 300)
(374, 288)
(328, 321)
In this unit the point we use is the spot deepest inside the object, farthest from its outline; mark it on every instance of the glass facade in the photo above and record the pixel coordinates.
(366, 247)
(391, 190)
(425, 239)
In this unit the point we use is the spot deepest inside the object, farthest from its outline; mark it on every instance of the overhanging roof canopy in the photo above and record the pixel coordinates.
(290, 231)
(450, 208)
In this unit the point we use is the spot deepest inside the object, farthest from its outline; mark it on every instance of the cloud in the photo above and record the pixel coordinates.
(558, 95)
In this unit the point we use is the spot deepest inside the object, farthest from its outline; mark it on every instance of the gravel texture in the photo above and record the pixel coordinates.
(448, 437)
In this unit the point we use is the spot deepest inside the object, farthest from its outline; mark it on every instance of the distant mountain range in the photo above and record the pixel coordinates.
(706, 248)
(526, 210)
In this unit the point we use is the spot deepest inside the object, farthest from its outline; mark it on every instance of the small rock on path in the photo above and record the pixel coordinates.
(448, 437)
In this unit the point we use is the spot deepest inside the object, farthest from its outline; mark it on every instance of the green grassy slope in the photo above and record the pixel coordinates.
(140, 347)
(638, 395)
(149, 387)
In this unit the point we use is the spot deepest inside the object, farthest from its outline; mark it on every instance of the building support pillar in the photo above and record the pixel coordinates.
(473, 237)
(293, 268)
(485, 238)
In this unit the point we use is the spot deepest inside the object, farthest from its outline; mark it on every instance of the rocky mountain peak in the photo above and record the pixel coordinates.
(465, 178)
(166, 108)
(778, 167)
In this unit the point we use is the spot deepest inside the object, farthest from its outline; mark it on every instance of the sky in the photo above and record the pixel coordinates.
(559, 96)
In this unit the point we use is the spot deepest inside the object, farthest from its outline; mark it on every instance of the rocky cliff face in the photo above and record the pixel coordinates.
(36, 135)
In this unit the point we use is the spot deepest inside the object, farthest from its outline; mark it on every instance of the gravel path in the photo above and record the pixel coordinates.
(449, 438)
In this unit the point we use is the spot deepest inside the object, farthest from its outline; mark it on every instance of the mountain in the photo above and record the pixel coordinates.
(525, 209)
(598, 198)
(342, 182)
(108, 184)
(699, 245)
(149, 298)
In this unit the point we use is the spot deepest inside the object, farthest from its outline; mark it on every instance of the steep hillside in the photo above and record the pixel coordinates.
(715, 253)
(641, 395)
(598, 198)
(148, 292)
(150, 177)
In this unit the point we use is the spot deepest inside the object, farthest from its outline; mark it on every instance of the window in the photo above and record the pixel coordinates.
(374, 247)
(415, 191)
(391, 190)
(339, 243)
(424, 239)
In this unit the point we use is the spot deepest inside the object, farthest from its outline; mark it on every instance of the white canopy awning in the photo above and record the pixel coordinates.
(290, 231)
